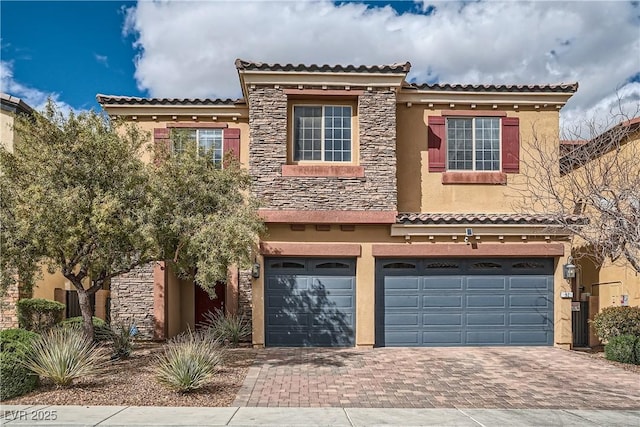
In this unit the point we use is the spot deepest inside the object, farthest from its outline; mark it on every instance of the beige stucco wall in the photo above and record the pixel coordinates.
(422, 191)
(6, 130)
(45, 287)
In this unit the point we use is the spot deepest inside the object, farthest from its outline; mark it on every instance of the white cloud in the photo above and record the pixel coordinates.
(102, 59)
(187, 49)
(35, 98)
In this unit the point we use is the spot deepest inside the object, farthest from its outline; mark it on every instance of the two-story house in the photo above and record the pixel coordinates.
(389, 209)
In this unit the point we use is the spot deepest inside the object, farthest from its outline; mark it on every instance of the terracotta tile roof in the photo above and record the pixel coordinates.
(134, 100)
(557, 88)
(263, 66)
(486, 218)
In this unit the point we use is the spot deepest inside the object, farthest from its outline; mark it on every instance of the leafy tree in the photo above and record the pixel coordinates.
(597, 178)
(76, 199)
(205, 218)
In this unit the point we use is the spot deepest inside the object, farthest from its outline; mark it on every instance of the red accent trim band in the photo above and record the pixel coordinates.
(310, 249)
(196, 125)
(322, 170)
(474, 178)
(326, 92)
(473, 250)
(473, 113)
(328, 217)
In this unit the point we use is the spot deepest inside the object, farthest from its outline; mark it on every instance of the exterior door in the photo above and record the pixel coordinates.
(204, 304)
(309, 302)
(464, 302)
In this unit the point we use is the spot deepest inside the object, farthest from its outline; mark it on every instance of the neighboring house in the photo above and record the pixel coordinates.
(49, 286)
(606, 284)
(388, 207)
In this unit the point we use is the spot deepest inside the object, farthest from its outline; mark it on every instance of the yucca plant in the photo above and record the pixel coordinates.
(121, 335)
(63, 355)
(189, 361)
(231, 328)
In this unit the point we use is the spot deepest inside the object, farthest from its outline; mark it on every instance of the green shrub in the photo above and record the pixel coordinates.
(614, 321)
(16, 340)
(226, 328)
(63, 355)
(101, 329)
(623, 348)
(37, 314)
(15, 378)
(189, 361)
(121, 336)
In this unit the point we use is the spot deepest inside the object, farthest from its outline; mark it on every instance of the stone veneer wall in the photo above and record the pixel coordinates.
(245, 303)
(268, 152)
(8, 313)
(132, 298)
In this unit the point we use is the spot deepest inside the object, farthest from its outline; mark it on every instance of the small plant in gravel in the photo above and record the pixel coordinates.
(15, 378)
(614, 321)
(230, 328)
(623, 348)
(189, 361)
(121, 335)
(65, 354)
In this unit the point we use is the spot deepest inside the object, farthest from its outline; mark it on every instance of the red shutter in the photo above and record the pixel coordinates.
(437, 144)
(232, 142)
(162, 142)
(510, 145)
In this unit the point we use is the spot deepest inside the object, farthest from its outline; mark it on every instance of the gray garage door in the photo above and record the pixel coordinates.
(464, 302)
(309, 302)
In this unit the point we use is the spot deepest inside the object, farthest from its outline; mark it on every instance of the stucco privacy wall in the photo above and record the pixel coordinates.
(132, 299)
(268, 152)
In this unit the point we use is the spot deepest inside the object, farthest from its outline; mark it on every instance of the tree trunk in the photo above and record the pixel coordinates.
(87, 313)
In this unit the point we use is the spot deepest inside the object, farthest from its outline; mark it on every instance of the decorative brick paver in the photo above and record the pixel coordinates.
(481, 377)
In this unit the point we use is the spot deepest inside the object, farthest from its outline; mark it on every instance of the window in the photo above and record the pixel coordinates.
(473, 144)
(209, 142)
(322, 133)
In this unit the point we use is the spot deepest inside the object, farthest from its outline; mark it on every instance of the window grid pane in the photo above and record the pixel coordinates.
(337, 134)
(473, 144)
(307, 133)
(210, 144)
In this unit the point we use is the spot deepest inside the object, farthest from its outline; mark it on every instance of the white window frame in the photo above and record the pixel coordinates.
(322, 134)
(473, 143)
(197, 142)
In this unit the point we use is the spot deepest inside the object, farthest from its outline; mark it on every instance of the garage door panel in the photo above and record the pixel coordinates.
(402, 283)
(346, 284)
(485, 319)
(538, 301)
(486, 337)
(486, 283)
(442, 319)
(529, 282)
(441, 338)
(401, 301)
(404, 338)
(529, 319)
(498, 302)
(313, 307)
(442, 301)
(486, 301)
(442, 283)
(402, 319)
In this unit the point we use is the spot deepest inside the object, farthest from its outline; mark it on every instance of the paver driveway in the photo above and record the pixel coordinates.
(481, 377)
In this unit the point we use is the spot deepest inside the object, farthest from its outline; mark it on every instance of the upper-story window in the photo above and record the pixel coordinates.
(473, 144)
(209, 143)
(322, 133)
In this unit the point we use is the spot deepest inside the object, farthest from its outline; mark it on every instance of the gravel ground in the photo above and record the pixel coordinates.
(131, 382)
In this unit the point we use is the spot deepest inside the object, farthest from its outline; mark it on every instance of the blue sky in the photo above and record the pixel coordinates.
(73, 50)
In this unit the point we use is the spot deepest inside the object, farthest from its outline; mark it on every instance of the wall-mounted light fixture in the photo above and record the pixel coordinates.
(569, 269)
(255, 270)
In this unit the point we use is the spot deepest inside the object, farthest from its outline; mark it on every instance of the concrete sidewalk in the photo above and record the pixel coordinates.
(252, 416)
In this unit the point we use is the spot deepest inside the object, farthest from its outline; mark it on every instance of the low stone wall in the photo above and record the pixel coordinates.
(132, 299)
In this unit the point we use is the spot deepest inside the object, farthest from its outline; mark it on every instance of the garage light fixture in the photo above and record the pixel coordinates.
(569, 269)
(255, 270)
